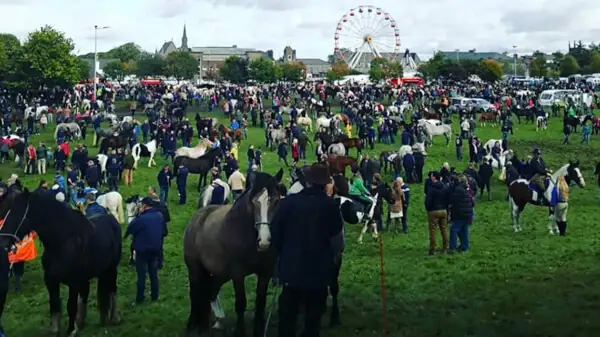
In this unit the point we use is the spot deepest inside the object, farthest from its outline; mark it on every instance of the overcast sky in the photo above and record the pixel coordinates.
(309, 25)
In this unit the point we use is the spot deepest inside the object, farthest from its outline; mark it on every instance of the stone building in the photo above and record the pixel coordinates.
(314, 67)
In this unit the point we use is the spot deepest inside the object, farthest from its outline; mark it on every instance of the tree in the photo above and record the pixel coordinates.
(84, 68)
(568, 66)
(382, 69)
(182, 65)
(114, 70)
(125, 53)
(294, 71)
(433, 67)
(538, 66)
(338, 71)
(262, 70)
(490, 70)
(47, 59)
(509, 68)
(234, 69)
(151, 65)
(594, 66)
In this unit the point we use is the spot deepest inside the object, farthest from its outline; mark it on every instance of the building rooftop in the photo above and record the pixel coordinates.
(313, 62)
(475, 56)
(234, 50)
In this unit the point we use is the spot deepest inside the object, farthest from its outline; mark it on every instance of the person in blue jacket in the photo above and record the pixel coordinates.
(408, 161)
(182, 174)
(148, 231)
(218, 194)
(91, 175)
(164, 182)
(93, 210)
(112, 169)
(169, 145)
(234, 124)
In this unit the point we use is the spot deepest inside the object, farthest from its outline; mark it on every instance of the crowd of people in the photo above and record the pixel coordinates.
(450, 196)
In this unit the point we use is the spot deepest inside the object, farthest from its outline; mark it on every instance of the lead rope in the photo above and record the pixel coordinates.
(273, 302)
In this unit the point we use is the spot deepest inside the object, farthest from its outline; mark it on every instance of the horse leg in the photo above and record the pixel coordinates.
(362, 232)
(82, 304)
(334, 289)
(513, 213)
(54, 295)
(111, 279)
(198, 320)
(375, 233)
(262, 285)
(103, 299)
(72, 309)
(551, 222)
(240, 305)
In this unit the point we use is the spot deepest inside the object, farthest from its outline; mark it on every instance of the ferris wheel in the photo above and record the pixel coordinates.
(364, 33)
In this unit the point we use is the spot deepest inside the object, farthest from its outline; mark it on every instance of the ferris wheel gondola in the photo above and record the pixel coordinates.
(364, 33)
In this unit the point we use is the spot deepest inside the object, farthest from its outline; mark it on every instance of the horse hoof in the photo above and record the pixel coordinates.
(217, 326)
(73, 333)
(116, 320)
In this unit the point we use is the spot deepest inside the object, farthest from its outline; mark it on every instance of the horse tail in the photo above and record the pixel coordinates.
(120, 215)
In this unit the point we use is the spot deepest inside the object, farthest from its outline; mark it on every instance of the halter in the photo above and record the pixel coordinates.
(14, 235)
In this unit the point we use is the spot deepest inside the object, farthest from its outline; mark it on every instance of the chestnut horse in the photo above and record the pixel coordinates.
(338, 164)
(431, 115)
(491, 117)
(353, 142)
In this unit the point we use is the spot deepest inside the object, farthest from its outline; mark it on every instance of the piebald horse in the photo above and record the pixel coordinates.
(230, 242)
(521, 192)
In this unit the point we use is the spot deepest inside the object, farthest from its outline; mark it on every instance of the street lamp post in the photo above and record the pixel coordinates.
(96, 28)
(515, 61)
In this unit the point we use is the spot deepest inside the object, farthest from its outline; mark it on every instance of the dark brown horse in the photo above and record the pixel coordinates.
(338, 164)
(230, 242)
(431, 115)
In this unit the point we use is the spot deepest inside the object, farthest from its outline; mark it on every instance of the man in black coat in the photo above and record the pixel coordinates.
(485, 174)
(419, 165)
(305, 232)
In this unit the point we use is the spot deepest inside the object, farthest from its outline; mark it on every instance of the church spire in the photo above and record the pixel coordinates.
(184, 39)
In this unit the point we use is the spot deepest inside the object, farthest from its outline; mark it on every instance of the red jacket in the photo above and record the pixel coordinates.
(31, 152)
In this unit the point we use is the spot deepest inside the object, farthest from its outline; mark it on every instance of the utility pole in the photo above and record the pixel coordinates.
(96, 28)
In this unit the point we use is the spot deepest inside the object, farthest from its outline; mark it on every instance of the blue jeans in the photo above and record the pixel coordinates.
(164, 194)
(459, 230)
(146, 262)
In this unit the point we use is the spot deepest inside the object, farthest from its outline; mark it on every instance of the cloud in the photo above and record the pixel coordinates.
(309, 25)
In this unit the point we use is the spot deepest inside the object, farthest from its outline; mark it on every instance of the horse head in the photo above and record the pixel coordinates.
(574, 174)
(385, 191)
(14, 224)
(263, 200)
(133, 205)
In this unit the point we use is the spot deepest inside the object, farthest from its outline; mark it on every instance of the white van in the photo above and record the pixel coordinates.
(593, 80)
(548, 97)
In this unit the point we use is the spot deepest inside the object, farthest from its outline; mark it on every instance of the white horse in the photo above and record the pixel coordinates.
(541, 122)
(194, 152)
(368, 220)
(392, 110)
(144, 150)
(323, 123)
(437, 128)
(86, 104)
(305, 121)
(102, 160)
(38, 111)
(70, 127)
(113, 202)
(337, 149)
(276, 135)
(490, 144)
(501, 162)
(207, 193)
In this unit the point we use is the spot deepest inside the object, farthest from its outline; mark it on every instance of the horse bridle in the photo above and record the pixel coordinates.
(14, 235)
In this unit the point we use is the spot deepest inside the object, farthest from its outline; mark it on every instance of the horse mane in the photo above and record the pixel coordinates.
(561, 172)
(55, 220)
(563, 188)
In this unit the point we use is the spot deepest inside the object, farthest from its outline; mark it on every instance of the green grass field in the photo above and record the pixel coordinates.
(525, 284)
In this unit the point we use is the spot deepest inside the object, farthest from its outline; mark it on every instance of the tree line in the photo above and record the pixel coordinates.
(438, 66)
(237, 69)
(581, 59)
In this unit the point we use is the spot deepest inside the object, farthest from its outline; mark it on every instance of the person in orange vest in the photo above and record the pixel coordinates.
(25, 251)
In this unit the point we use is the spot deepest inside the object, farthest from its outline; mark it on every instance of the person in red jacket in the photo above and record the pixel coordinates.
(295, 152)
(31, 157)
